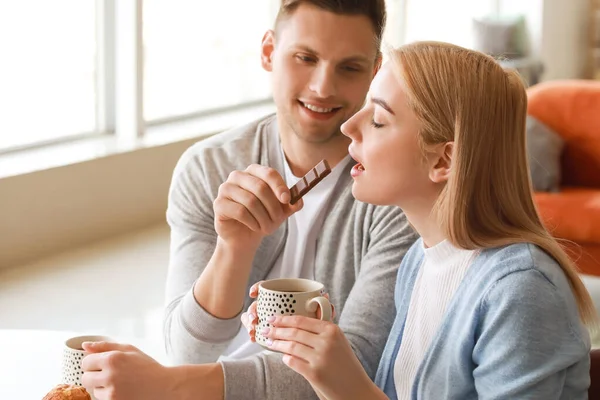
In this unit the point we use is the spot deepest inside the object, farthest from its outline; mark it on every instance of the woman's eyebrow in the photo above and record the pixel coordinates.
(383, 104)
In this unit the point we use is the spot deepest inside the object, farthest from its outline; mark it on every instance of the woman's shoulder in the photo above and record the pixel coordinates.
(525, 279)
(522, 258)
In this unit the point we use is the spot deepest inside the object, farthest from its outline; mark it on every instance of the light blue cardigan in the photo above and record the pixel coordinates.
(512, 331)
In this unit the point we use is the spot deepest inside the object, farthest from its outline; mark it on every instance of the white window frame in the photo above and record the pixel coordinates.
(128, 105)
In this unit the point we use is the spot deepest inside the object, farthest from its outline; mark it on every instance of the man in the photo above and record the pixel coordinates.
(232, 224)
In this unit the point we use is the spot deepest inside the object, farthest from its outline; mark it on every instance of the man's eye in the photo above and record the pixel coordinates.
(351, 68)
(305, 59)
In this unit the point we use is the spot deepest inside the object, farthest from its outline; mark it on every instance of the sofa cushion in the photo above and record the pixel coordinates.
(586, 258)
(544, 150)
(571, 109)
(572, 214)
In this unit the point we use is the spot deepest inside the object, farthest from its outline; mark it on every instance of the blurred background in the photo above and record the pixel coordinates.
(100, 98)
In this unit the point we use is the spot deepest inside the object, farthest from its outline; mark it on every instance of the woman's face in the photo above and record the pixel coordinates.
(391, 169)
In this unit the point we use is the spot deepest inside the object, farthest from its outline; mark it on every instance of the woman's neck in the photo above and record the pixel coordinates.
(428, 227)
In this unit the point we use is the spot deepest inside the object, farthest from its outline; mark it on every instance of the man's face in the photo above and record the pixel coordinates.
(322, 65)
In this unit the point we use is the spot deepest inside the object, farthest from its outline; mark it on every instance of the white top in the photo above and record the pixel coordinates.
(442, 271)
(297, 260)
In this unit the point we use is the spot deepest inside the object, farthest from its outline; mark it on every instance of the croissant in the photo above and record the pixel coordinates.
(68, 392)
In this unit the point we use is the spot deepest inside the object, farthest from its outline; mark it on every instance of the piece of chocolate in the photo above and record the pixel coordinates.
(309, 181)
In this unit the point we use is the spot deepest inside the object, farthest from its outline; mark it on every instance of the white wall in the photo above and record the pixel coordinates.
(49, 211)
(564, 45)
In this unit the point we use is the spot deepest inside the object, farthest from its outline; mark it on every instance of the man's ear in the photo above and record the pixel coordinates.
(441, 164)
(267, 48)
(378, 63)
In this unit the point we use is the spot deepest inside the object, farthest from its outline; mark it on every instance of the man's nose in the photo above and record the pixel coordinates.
(323, 81)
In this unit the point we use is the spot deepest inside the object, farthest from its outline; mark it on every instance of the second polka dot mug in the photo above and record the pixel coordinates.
(289, 297)
(73, 355)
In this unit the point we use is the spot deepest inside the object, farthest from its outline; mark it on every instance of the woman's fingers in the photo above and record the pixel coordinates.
(252, 310)
(249, 321)
(292, 335)
(307, 324)
(294, 349)
(254, 289)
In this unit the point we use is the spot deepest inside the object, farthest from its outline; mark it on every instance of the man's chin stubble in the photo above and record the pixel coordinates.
(319, 139)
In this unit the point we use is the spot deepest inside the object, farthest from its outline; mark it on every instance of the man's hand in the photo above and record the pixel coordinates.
(250, 205)
(114, 371)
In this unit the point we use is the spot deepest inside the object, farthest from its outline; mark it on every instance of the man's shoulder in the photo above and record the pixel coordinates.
(232, 149)
(236, 140)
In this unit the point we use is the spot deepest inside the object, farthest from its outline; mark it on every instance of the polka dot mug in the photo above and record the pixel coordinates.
(73, 355)
(289, 297)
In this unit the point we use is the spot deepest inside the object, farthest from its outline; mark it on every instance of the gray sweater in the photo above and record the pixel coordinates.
(358, 253)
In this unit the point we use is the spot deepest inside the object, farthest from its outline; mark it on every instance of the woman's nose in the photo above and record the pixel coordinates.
(350, 127)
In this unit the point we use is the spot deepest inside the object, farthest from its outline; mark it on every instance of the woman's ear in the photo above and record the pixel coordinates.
(267, 48)
(441, 164)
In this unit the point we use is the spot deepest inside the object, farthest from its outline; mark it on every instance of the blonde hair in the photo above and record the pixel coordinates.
(466, 97)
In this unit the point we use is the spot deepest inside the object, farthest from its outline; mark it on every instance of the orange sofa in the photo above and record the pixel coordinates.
(571, 108)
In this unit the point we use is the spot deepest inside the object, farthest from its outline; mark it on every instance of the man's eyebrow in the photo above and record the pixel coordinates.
(356, 58)
(383, 104)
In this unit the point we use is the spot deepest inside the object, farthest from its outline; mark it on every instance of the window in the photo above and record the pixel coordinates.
(47, 73)
(200, 56)
(449, 21)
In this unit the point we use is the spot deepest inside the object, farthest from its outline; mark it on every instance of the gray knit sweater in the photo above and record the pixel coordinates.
(358, 253)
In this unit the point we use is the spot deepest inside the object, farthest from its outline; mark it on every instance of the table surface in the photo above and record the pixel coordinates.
(30, 361)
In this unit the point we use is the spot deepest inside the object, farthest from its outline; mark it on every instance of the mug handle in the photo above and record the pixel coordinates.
(323, 302)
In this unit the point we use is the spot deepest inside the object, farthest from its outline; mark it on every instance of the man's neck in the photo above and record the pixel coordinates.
(302, 155)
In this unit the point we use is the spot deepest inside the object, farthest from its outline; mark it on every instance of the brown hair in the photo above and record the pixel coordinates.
(372, 9)
(466, 97)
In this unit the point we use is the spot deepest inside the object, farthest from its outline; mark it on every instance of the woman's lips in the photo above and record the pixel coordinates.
(357, 170)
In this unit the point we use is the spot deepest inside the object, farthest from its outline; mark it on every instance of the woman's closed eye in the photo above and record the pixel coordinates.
(375, 124)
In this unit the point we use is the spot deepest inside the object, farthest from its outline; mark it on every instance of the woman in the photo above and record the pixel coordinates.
(488, 305)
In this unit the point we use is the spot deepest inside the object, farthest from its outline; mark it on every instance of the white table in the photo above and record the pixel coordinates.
(30, 361)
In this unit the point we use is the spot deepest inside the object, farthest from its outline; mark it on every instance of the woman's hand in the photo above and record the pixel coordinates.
(249, 319)
(319, 351)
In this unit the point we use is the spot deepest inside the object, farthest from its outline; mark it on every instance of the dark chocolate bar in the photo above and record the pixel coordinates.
(309, 181)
